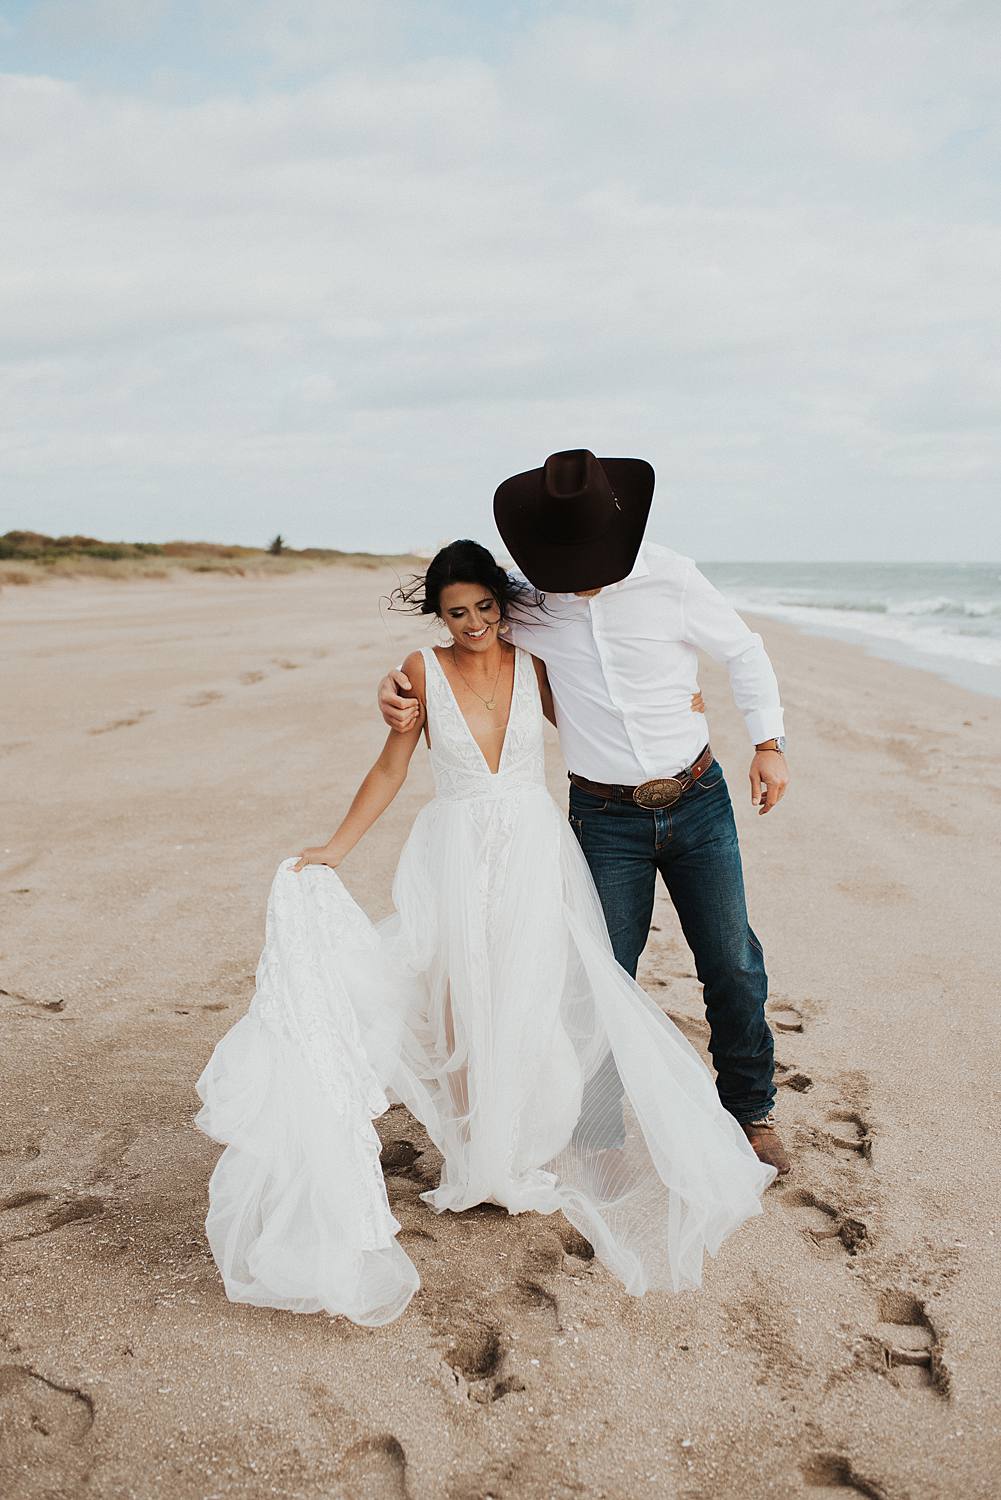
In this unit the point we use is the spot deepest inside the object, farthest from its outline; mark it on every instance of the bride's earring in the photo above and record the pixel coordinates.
(503, 628)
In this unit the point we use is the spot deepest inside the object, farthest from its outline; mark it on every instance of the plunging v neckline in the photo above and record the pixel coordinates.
(465, 721)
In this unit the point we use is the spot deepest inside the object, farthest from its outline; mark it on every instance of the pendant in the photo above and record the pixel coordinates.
(492, 704)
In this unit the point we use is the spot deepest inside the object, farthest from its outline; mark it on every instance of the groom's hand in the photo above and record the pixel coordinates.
(769, 779)
(397, 704)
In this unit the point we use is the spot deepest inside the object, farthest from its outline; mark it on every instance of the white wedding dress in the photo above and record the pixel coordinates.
(491, 1005)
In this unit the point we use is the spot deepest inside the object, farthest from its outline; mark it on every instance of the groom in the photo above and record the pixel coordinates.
(619, 635)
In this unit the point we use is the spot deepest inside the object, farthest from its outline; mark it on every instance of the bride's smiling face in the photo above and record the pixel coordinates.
(472, 615)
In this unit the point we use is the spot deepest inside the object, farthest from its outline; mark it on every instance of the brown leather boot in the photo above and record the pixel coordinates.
(767, 1144)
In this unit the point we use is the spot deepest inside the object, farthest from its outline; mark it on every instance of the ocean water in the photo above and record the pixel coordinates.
(945, 617)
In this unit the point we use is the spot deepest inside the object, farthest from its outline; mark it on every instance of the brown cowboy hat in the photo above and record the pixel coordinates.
(576, 523)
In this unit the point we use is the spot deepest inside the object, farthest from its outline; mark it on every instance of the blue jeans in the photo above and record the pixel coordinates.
(693, 846)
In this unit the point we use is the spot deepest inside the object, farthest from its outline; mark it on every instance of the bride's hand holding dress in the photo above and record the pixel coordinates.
(322, 854)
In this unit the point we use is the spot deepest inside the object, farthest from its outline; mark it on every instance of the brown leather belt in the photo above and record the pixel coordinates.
(661, 791)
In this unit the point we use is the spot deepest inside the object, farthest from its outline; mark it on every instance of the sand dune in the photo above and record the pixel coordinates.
(161, 747)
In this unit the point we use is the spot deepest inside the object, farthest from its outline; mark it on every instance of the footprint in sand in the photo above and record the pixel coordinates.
(199, 700)
(285, 664)
(410, 1233)
(833, 1474)
(401, 1158)
(427, 1168)
(17, 1001)
(787, 1077)
(692, 1029)
(538, 1302)
(44, 1425)
(831, 1231)
(476, 1352)
(849, 1134)
(476, 1357)
(127, 723)
(401, 1192)
(543, 1255)
(30, 1212)
(15, 1157)
(785, 1016)
(374, 1469)
(398, 1157)
(37, 1197)
(910, 1344)
(578, 1252)
(249, 678)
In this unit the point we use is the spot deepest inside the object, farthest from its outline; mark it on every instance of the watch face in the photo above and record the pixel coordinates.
(780, 742)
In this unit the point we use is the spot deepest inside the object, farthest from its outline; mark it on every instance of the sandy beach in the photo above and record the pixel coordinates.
(162, 746)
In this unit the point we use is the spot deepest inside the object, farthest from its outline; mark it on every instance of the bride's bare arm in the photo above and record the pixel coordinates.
(379, 787)
(545, 691)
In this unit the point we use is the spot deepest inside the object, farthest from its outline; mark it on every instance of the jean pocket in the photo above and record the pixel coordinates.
(711, 778)
(582, 803)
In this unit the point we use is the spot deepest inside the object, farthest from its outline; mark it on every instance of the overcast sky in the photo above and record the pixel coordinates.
(337, 269)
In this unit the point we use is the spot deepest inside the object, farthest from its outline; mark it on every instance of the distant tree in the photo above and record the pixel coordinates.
(277, 546)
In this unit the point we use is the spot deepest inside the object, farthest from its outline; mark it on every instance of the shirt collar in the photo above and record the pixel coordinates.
(640, 569)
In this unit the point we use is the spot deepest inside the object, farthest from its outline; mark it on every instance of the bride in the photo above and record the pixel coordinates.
(489, 1003)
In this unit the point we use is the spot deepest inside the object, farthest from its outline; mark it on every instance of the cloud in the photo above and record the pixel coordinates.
(82, 24)
(350, 287)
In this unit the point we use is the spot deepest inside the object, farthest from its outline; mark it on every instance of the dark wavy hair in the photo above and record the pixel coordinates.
(463, 562)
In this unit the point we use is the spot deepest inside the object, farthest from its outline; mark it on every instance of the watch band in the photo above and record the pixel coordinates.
(777, 742)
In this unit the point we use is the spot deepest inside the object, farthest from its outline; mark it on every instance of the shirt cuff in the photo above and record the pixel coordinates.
(764, 724)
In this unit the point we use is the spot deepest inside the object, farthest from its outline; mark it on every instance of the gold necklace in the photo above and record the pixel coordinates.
(491, 702)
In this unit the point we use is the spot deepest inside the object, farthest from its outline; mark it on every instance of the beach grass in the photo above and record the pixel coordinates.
(28, 557)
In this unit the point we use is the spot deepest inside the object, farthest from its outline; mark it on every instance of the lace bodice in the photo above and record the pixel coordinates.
(459, 767)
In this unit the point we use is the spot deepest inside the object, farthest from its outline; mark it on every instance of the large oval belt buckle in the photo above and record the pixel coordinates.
(660, 792)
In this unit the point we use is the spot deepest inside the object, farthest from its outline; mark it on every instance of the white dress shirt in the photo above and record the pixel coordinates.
(623, 667)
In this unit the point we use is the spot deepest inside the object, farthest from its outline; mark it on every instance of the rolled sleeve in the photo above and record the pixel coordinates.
(714, 626)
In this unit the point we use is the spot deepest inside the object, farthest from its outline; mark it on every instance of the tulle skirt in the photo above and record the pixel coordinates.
(491, 1005)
